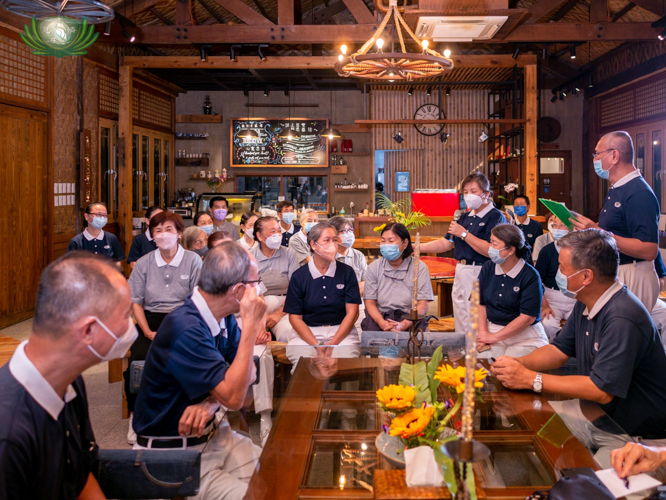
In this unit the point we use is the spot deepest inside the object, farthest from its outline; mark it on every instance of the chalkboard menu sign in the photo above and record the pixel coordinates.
(268, 148)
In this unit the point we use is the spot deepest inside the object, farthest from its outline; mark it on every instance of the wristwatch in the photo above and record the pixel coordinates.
(463, 235)
(537, 385)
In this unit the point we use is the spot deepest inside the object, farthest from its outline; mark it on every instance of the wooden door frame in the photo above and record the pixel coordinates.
(152, 135)
(113, 124)
(566, 156)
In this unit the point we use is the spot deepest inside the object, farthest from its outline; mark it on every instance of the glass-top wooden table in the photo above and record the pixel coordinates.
(328, 421)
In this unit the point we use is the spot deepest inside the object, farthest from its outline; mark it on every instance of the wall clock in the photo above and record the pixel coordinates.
(429, 112)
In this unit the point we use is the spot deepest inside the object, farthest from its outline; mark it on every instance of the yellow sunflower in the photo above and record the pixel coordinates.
(396, 397)
(455, 377)
(379, 229)
(411, 424)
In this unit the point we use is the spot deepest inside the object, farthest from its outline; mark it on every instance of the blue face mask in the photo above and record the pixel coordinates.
(390, 252)
(494, 255)
(309, 225)
(563, 282)
(288, 217)
(99, 222)
(520, 211)
(558, 233)
(599, 169)
(208, 229)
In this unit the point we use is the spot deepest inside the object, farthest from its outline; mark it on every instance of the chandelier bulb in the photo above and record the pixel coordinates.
(343, 49)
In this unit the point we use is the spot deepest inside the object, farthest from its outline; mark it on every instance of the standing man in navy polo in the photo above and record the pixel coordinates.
(288, 228)
(630, 213)
(200, 360)
(82, 317)
(530, 228)
(93, 239)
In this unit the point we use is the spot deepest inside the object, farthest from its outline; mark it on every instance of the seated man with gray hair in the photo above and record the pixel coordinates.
(620, 356)
(200, 360)
(298, 243)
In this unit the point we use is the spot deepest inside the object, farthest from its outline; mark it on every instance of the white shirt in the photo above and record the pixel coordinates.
(289, 230)
(244, 244)
(176, 260)
(314, 272)
(201, 304)
(150, 238)
(636, 173)
(36, 385)
(483, 212)
(603, 300)
(89, 236)
(513, 273)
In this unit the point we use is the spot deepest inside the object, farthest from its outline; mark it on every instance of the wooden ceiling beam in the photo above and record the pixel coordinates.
(305, 62)
(654, 6)
(262, 9)
(184, 15)
(211, 11)
(564, 10)
(160, 16)
(244, 12)
(582, 32)
(541, 8)
(325, 15)
(599, 11)
(621, 13)
(360, 11)
(130, 8)
(286, 11)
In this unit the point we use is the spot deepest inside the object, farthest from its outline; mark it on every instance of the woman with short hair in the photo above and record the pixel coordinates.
(389, 283)
(298, 243)
(160, 282)
(247, 221)
(510, 298)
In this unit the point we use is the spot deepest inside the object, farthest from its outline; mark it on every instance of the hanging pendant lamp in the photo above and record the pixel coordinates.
(287, 132)
(330, 132)
(248, 133)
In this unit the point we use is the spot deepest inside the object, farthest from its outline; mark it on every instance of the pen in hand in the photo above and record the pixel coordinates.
(626, 482)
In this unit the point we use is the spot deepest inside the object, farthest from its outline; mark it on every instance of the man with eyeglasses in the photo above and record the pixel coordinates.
(200, 360)
(93, 239)
(630, 213)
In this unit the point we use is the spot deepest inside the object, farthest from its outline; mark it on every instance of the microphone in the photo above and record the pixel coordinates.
(456, 217)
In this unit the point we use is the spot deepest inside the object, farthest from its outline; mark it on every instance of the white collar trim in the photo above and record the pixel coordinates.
(603, 300)
(176, 260)
(636, 173)
(201, 304)
(514, 272)
(483, 212)
(330, 272)
(89, 236)
(36, 385)
(290, 229)
(150, 238)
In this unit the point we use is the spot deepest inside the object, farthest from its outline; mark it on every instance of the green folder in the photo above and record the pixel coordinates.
(560, 211)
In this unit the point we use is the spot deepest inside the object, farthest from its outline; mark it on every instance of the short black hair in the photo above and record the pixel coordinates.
(246, 217)
(524, 197)
(593, 249)
(217, 198)
(401, 232)
(91, 205)
(512, 236)
(282, 205)
(151, 211)
(199, 215)
(259, 224)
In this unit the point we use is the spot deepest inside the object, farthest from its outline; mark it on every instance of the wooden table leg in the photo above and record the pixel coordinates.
(115, 370)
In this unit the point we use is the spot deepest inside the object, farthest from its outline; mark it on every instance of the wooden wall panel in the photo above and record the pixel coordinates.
(445, 164)
(23, 230)
(91, 118)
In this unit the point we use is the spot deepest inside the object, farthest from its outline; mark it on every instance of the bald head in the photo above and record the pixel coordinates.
(77, 285)
(620, 141)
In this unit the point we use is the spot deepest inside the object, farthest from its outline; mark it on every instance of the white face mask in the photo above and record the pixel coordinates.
(347, 239)
(249, 232)
(165, 241)
(121, 344)
(274, 241)
(473, 201)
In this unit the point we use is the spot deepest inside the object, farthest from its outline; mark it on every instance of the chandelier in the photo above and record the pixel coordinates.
(392, 66)
(94, 11)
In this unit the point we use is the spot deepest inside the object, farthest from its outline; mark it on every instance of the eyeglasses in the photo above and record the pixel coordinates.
(250, 282)
(597, 153)
(98, 214)
(347, 231)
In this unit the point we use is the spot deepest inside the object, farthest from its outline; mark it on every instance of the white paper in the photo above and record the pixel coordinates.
(421, 467)
(639, 482)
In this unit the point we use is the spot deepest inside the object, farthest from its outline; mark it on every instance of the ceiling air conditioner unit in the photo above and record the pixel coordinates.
(459, 28)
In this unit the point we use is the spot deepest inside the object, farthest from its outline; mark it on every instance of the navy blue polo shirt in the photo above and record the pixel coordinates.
(287, 236)
(42, 457)
(141, 246)
(507, 296)
(531, 229)
(631, 210)
(322, 300)
(659, 266)
(548, 264)
(479, 226)
(619, 348)
(108, 245)
(185, 362)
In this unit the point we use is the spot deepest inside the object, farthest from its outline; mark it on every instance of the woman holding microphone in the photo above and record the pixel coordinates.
(470, 239)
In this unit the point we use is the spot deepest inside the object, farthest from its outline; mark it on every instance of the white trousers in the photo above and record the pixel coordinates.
(347, 348)
(462, 289)
(659, 317)
(519, 345)
(562, 306)
(228, 461)
(262, 392)
(642, 280)
(282, 330)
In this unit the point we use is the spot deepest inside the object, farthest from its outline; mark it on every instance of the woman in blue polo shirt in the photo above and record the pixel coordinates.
(555, 306)
(143, 243)
(511, 294)
(95, 240)
(470, 237)
(323, 296)
(389, 283)
(160, 282)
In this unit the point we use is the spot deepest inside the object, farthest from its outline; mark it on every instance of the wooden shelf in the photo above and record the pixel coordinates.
(192, 162)
(348, 154)
(350, 190)
(205, 179)
(351, 128)
(191, 138)
(198, 118)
